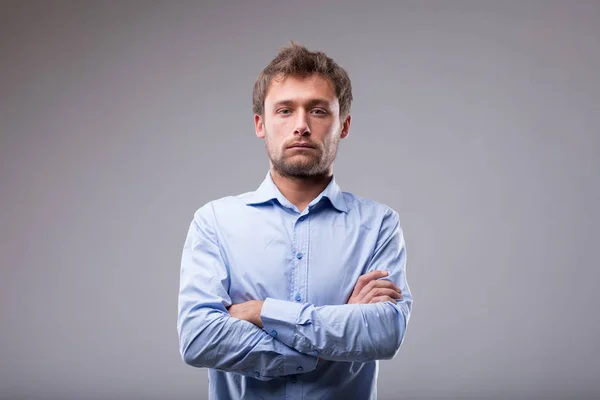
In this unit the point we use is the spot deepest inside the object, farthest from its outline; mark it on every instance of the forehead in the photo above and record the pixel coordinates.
(285, 88)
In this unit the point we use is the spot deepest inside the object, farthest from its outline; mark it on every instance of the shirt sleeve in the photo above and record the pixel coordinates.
(350, 332)
(208, 336)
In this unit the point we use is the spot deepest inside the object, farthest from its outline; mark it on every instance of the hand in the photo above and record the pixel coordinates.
(369, 289)
(247, 311)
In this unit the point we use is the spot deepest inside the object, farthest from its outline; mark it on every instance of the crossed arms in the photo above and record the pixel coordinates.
(273, 338)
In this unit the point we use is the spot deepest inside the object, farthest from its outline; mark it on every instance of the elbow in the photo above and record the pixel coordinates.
(191, 359)
(201, 337)
(195, 350)
(196, 347)
(194, 356)
(391, 347)
(188, 356)
(383, 347)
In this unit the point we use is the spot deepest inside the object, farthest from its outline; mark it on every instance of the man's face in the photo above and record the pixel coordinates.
(301, 125)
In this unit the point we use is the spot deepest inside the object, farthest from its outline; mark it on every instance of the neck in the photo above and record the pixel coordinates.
(300, 191)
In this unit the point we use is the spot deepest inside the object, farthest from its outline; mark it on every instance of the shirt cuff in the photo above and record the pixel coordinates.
(298, 363)
(279, 319)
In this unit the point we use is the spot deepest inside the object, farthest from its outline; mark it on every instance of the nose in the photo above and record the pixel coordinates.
(301, 124)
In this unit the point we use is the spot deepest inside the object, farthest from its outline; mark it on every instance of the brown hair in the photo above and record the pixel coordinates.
(296, 60)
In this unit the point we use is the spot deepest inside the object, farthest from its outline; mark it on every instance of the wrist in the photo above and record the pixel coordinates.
(257, 310)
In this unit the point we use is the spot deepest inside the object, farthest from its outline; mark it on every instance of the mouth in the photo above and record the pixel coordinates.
(301, 146)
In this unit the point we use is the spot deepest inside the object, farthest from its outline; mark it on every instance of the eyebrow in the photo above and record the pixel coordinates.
(310, 103)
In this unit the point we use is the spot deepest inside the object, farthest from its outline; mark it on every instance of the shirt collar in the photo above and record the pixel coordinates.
(268, 191)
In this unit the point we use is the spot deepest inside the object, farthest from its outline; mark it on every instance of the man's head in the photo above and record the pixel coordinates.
(302, 98)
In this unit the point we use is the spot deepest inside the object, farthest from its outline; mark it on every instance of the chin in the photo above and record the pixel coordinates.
(303, 171)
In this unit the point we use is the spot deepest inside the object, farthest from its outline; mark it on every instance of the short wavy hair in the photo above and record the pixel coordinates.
(296, 60)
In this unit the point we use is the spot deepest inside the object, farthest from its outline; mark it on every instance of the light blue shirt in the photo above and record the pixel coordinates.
(304, 265)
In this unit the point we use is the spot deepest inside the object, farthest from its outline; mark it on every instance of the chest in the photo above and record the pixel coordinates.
(315, 258)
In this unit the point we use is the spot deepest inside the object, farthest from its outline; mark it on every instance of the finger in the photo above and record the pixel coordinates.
(363, 280)
(381, 283)
(381, 292)
(381, 299)
(367, 279)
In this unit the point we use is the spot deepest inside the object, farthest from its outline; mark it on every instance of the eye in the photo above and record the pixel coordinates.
(284, 111)
(319, 111)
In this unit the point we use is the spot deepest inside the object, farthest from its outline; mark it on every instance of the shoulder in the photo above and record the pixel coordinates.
(369, 209)
(227, 205)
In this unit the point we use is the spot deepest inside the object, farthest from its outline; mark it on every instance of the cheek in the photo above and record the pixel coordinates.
(327, 131)
(275, 126)
(279, 126)
(332, 141)
(277, 132)
(272, 143)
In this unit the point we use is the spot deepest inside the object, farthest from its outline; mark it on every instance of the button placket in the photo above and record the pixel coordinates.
(301, 261)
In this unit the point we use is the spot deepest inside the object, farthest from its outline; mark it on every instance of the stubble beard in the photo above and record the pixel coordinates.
(316, 162)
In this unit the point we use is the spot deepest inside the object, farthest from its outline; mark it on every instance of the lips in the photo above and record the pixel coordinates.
(301, 145)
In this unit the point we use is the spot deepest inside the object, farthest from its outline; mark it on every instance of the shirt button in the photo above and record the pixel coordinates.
(256, 374)
(299, 369)
(293, 378)
(298, 297)
(274, 333)
(316, 353)
(299, 256)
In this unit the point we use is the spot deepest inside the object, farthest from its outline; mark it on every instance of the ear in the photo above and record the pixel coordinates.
(259, 126)
(346, 127)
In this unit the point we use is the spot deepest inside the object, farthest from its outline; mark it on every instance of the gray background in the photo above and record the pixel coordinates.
(477, 120)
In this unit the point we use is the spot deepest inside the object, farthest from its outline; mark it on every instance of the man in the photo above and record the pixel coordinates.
(295, 290)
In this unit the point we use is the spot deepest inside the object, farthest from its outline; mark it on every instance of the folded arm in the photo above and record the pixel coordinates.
(208, 336)
(350, 332)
